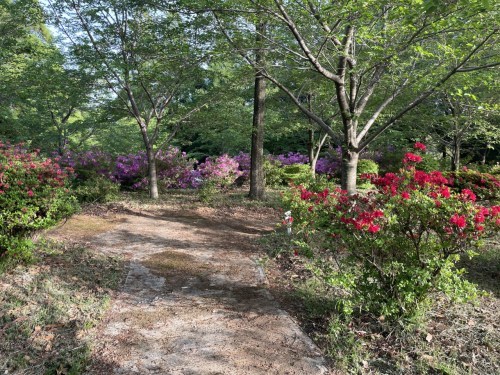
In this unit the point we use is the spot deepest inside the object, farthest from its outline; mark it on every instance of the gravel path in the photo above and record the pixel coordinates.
(195, 301)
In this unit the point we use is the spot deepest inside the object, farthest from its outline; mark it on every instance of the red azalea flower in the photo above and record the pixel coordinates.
(495, 210)
(30, 193)
(479, 218)
(373, 228)
(305, 195)
(411, 158)
(438, 203)
(445, 191)
(405, 195)
(469, 195)
(458, 220)
(419, 146)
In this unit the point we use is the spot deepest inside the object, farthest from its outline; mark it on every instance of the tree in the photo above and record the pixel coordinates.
(381, 58)
(24, 41)
(149, 60)
(466, 119)
(257, 178)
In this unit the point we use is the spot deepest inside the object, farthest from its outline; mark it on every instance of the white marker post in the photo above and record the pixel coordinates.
(288, 220)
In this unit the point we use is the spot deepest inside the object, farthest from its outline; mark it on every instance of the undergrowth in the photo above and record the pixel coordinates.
(48, 307)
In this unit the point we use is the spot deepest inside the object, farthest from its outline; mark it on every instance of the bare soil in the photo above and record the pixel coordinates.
(194, 299)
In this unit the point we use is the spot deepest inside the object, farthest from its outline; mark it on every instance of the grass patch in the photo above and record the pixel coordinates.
(187, 199)
(47, 309)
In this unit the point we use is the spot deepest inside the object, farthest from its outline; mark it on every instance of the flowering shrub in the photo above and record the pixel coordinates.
(328, 165)
(243, 159)
(33, 195)
(484, 185)
(174, 168)
(222, 171)
(399, 243)
(131, 170)
(89, 164)
(293, 158)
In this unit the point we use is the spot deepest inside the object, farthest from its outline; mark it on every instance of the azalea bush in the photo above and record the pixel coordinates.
(89, 164)
(221, 171)
(399, 243)
(174, 169)
(34, 195)
(484, 185)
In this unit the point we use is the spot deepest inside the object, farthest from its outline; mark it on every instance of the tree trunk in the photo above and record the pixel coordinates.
(349, 170)
(483, 158)
(313, 163)
(257, 178)
(310, 152)
(455, 157)
(151, 157)
(153, 180)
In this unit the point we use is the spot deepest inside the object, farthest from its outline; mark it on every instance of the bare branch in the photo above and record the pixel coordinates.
(424, 95)
(303, 45)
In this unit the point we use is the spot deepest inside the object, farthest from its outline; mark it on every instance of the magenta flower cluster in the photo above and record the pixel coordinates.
(176, 170)
(224, 170)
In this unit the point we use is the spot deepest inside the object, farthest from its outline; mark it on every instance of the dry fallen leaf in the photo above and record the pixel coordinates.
(428, 338)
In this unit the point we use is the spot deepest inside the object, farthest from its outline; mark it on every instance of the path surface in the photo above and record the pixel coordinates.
(194, 300)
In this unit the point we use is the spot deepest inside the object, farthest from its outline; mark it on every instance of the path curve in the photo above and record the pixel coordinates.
(194, 301)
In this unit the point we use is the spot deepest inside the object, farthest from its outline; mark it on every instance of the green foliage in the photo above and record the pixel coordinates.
(208, 191)
(297, 173)
(429, 163)
(274, 173)
(33, 196)
(366, 167)
(493, 170)
(96, 189)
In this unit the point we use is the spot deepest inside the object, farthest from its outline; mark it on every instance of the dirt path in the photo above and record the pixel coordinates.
(194, 300)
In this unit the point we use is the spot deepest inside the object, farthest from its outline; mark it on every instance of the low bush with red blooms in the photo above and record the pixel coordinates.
(484, 185)
(398, 243)
(33, 195)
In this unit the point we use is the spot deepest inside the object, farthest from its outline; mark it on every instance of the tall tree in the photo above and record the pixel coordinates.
(150, 60)
(382, 58)
(257, 178)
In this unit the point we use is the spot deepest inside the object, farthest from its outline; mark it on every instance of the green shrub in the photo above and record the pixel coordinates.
(274, 173)
(208, 191)
(493, 169)
(430, 163)
(33, 196)
(366, 167)
(96, 189)
(297, 173)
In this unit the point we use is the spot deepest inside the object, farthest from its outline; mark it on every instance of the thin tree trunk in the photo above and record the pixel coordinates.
(455, 157)
(310, 145)
(483, 159)
(310, 148)
(349, 171)
(151, 157)
(257, 178)
(153, 180)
